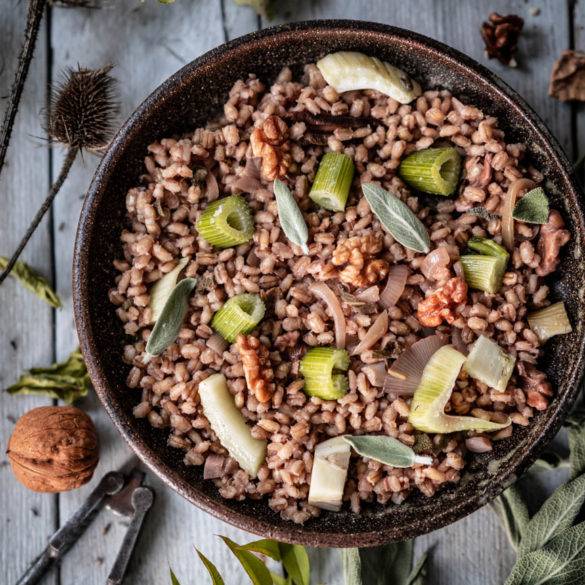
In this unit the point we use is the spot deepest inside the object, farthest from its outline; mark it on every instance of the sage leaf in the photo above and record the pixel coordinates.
(387, 450)
(33, 281)
(556, 515)
(216, 578)
(65, 381)
(291, 218)
(169, 323)
(576, 432)
(549, 460)
(352, 566)
(254, 567)
(163, 288)
(418, 574)
(390, 564)
(513, 514)
(295, 561)
(265, 546)
(533, 207)
(397, 218)
(483, 213)
(560, 562)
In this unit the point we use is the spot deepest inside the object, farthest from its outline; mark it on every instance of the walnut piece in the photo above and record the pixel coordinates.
(269, 143)
(500, 35)
(442, 304)
(552, 238)
(359, 268)
(567, 78)
(257, 368)
(53, 449)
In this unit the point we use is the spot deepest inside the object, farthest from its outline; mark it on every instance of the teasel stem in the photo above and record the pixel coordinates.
(56, 187)
(36, 10)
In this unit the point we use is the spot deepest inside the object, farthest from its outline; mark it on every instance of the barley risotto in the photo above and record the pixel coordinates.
(335, 293)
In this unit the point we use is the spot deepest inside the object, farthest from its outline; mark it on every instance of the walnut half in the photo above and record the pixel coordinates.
(442, 304)
(257, 368)
(269, 144)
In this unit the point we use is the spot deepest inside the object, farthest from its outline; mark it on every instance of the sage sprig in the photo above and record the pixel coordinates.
(483, 213)
(397, 218)
(171, 318)
(67, 381)
(33, 281)
(291, 218)
(387, 450)
(533, 207)
(216, 578)
(513, 514)
(163, 288)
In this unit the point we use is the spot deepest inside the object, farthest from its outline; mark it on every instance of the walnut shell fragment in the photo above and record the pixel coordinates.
(567, 80)
(53, 449)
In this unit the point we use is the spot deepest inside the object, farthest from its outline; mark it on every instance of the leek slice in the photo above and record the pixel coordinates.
(317, 367)
(485, 271)
(433, 170)
(550, 321)
(229, 425)
(162, 289)
(332, 182)
(240, 314)
(350, 70)
(430, 398)
(489, 363)
(330, 465)
(226, 222)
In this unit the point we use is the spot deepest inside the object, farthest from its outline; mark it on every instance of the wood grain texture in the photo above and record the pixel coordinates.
(27, 326)
(148, 42)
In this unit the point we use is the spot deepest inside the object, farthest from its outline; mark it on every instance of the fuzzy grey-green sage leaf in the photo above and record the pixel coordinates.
(291, 218)
(163, 288)
(387, 450)
(533, 207)
(171, 318)
(397, 218)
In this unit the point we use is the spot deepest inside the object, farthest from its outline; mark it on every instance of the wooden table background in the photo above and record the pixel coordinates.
(147, 42)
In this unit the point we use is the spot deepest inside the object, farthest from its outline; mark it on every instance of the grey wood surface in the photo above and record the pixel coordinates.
(147, 42)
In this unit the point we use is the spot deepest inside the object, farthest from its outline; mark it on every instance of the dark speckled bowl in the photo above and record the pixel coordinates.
(196, 93)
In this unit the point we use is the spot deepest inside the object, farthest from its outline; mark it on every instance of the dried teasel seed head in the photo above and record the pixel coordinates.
(82, 109)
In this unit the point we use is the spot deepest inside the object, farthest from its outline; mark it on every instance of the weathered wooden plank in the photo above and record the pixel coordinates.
(26, 338)
(147, 43)
(579, 109)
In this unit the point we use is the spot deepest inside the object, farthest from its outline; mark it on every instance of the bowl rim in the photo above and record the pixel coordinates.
(521, 458)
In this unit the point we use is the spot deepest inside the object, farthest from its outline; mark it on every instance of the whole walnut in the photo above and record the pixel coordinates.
(53, 449)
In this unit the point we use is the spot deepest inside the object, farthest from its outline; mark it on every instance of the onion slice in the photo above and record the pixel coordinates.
(325, 294)
(394, 285)
(507, 213)
(404, 376)
(374, 334)
(375, 373)
(249, 181)
(435, 263)
(369, 295)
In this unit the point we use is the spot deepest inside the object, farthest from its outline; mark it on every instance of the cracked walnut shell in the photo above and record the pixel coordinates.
(53, 449)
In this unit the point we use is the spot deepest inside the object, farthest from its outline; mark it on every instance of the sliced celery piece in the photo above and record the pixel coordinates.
(550, 321)
(430, 398)
(488, 247)
(332, 183)
(489, 363)
(350, 70)
(317, 367)
(483, 272)
(433, 170)
(229, 425)
(240, 314)
(330, 465)
(226, 222)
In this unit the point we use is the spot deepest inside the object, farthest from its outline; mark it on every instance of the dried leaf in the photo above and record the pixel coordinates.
(65, 381)
(254, 567)
(33, 281)
(295, 561)
(291, 217)
(513, 513)
(265, 546)
(216, 578)
(533, 207)
(483, 213)
(386, 449)
(397, 218)
(556, 515)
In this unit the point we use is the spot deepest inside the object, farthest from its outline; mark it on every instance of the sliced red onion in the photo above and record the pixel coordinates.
(508, 210)
(369, 295)
(375, 373)
(217, 343)
(249, 180)
(435, 263)
(377, 330)
(213, 467)
(394, 285)
(211, 186)
(404, 376)
(324, 293)
(457, 341)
